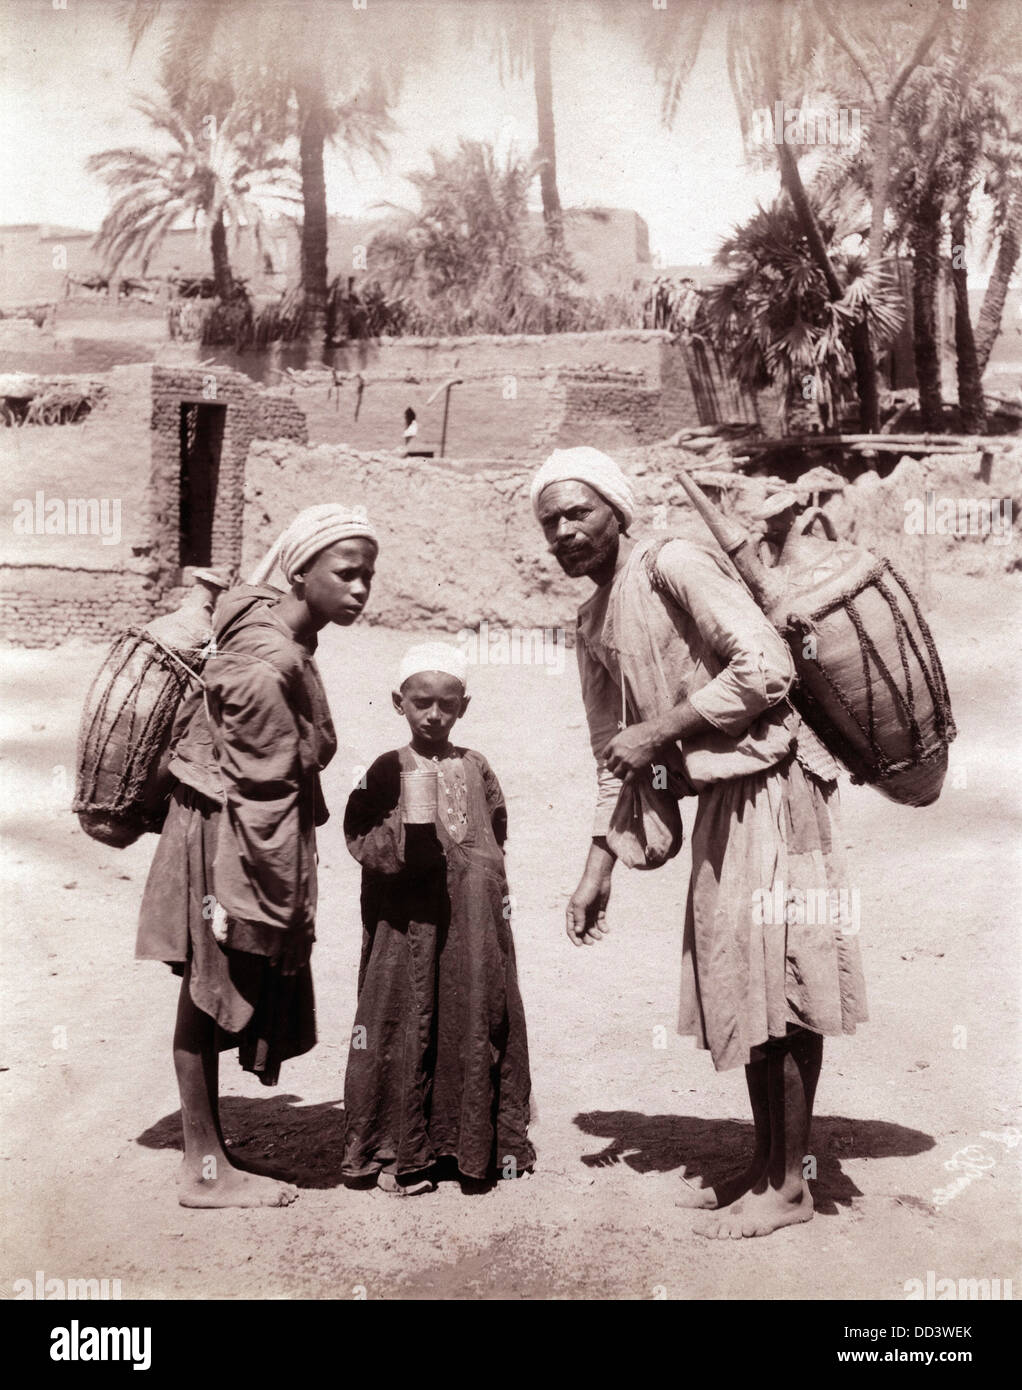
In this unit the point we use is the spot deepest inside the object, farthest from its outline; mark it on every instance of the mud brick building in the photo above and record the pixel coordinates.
(111, 485)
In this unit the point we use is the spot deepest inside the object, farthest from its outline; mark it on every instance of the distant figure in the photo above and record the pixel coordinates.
(411, 430)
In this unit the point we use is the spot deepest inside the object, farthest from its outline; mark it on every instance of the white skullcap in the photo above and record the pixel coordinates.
(433, 656)
(589, 466)
(316, 528)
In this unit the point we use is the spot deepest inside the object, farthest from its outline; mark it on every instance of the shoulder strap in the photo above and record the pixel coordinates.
(649, 562)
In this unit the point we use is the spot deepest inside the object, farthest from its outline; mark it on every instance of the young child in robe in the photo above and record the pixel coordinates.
(438, 1066)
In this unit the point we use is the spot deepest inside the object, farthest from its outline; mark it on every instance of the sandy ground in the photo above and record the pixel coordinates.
(91, 1133)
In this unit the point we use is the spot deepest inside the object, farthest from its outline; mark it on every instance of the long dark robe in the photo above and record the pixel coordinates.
(438, 1064)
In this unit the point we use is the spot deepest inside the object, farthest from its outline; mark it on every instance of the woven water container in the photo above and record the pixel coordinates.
(870, 682)
(122, 785)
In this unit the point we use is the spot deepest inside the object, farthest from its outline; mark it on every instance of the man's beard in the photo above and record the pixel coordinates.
(583, 562)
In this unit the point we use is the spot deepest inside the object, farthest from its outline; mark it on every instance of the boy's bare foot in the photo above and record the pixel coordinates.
(233, 1188)
(264, 1168)
(703, 1196)
(758, 1214)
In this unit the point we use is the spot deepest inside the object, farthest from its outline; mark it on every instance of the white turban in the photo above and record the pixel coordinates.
(432, 656)
(313, 530)
(589, 466)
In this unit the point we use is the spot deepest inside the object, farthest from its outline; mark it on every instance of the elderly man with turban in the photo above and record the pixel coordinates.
(231, 897)
(684, 683)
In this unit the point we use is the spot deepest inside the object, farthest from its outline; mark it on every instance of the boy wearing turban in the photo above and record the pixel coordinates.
(230, 900)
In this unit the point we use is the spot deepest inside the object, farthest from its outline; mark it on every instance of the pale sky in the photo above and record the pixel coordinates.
(65, 87)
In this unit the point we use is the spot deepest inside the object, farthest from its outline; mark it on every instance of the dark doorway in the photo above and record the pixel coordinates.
(202, 435)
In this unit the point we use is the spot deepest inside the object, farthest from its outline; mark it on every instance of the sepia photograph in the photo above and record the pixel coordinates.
(511, 584)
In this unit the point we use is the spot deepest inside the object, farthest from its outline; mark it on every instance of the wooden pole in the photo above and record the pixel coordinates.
(443, 427)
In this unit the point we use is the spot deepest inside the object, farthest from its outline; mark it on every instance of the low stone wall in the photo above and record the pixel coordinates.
(460, 544)
(42, 606)
(907, 517)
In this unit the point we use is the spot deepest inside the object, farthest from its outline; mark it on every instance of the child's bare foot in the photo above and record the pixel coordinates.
(758, 1214)
(703, 1196)
(233, 1188)
(388, 1182)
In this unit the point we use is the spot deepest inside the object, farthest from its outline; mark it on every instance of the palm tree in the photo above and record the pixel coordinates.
(945, 120)
(1002, 162)
(1006, 232)
(775, 55)
(219, 172)
(965, 86)
(772, 318)
(944, 126)
(522, 36)
(319, 71)
(468, 261)
(883, 70)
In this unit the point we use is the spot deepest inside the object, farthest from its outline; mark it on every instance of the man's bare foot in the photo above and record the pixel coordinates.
(233, 1188)
(704, 1196)
(757, 1214)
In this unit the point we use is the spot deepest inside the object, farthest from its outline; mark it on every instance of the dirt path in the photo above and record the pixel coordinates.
(90, 1129)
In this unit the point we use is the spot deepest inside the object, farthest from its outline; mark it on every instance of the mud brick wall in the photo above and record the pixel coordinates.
(520, 395)
(492, 414)
(56, 586)
(173, 387)
(37, 608)
(127, 450)
(611, 416)
(280, 416)
(619, 348)
(458, 541)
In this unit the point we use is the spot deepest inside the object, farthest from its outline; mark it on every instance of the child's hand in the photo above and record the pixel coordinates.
(219, 923)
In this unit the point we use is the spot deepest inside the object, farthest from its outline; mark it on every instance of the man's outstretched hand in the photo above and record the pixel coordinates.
(587, 907)
(587, 913)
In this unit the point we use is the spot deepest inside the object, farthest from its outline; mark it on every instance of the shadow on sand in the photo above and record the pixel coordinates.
(712, 1148)
(305, 1141)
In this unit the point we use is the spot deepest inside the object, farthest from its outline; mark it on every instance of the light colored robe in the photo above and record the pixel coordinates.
(676, 622)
